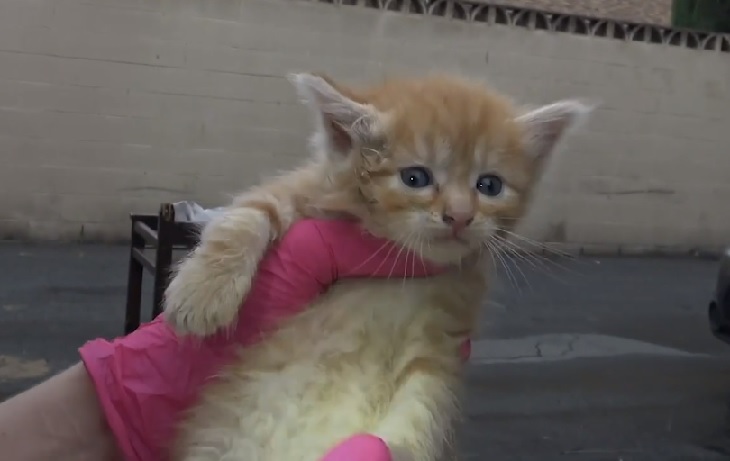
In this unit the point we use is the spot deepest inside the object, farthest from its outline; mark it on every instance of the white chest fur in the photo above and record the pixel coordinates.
(371, 356)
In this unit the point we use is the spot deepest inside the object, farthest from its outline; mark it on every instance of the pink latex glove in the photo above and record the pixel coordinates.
(360, 447)
(146, 379)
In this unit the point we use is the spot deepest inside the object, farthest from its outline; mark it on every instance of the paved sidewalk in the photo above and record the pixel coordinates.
(590, 359)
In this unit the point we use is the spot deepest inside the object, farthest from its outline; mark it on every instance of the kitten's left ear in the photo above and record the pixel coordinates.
(341, 121)
(546, 126)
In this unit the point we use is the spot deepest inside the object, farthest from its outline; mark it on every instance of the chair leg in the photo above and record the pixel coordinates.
(162, 275)
(135, 274)
(163, 258)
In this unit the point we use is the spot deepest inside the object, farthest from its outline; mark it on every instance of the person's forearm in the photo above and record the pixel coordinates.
(57, 420)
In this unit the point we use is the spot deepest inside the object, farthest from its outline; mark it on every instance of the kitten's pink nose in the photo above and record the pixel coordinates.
(458, 220)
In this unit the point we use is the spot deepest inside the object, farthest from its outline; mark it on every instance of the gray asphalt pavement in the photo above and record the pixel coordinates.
(585, 359)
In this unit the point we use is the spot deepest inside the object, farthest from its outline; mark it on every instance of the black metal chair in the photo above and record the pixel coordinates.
(154, 238)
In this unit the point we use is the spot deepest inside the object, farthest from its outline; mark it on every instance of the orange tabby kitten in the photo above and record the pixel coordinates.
(439, 165)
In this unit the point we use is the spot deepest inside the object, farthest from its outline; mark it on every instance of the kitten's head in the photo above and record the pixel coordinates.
(438, 164)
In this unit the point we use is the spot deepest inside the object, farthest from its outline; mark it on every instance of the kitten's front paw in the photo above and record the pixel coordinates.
(199, 304)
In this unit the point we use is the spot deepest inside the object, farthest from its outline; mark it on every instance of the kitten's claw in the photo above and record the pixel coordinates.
(198, 304)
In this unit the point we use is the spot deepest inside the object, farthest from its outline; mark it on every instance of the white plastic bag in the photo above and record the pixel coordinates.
(192, 212)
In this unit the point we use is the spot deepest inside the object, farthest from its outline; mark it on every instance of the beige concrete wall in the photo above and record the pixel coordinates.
(112, 106)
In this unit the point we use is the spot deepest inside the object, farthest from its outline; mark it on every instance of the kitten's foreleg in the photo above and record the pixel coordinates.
(209, 286)
(419, 423)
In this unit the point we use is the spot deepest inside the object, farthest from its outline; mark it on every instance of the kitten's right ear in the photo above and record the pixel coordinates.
(342, 123)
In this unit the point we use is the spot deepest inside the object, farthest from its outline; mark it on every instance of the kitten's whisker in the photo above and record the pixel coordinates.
(519, 253)
(416, 254)
(403, 246)
(491, 256)
(536, 261)
(495, 261)
(420, 256)
(409, 252)
(540, 245)
(496, 304)
(387, 255)
(528, 257)
(510, 250)
(513, 266)
(537, 256)
(508, 272)
(369, 258)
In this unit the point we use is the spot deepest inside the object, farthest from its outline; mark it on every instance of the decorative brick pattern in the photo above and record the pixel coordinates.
(517, 16)
(658, 12)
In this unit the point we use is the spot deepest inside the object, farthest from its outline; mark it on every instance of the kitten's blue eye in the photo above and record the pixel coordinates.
(416, 177)
(490, 185)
